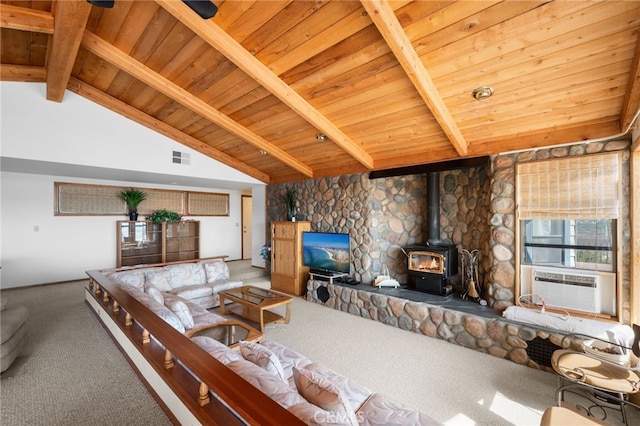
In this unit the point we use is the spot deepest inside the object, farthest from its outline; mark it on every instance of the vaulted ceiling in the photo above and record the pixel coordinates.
(388, 82)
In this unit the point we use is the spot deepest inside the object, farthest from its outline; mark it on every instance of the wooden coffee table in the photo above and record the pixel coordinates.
(256, 304)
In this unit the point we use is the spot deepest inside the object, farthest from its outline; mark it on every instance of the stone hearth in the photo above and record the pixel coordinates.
(448, 318)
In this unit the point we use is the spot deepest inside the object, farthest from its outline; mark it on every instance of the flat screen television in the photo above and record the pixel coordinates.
(328, 253)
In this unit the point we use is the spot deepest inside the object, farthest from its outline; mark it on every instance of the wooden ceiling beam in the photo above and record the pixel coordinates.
(225, 44)
(389, 27)
(25, 19)
(70, 19)
(126, 63)
(631, 103)
(87, 91)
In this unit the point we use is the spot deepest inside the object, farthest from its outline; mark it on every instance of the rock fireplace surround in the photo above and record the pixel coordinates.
(477, 212)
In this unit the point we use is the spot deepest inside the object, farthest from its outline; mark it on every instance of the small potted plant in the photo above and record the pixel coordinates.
(290, 199)
(132, 197)
(163, 215)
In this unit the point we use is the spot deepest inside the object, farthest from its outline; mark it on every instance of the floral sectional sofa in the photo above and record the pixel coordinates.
(198, 282)
(313, 393)
(179, 293)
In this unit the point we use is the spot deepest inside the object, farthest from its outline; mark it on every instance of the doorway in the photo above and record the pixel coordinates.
(247, 213)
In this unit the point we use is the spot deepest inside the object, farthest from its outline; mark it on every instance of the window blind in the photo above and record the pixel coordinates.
(201, 203)
(581, 187)
(76, 199)
(158, 199)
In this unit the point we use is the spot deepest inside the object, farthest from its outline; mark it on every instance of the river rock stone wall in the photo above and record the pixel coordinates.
(477, 212)
(382, 215)
(464, 209)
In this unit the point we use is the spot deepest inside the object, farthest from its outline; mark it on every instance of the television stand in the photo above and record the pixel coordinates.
(326, 275)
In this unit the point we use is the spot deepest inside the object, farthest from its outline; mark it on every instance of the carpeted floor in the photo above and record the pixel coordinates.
(73, 373)
(455, 385)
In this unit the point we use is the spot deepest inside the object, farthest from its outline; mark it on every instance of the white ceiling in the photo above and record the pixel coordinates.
(18, 165)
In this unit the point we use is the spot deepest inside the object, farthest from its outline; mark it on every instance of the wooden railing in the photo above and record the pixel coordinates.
(199, 380)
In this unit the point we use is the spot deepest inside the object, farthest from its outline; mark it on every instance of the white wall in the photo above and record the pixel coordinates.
(80, 132)
(259, 205)
(63, 247)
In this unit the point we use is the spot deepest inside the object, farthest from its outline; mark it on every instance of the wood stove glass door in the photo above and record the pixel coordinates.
(425, 261)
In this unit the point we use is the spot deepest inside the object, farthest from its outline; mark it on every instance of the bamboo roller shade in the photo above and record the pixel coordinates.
(581, 187)
(74, 199)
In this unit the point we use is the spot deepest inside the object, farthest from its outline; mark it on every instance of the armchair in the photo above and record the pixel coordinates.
(13, 332)
(606, 379)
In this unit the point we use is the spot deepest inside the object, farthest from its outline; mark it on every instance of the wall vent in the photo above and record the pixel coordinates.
(181, 157)
(567, 289)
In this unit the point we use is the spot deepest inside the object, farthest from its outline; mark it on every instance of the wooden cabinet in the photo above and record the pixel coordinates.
(182, 240)
(287, 273)
(144, 242)
(138, 242)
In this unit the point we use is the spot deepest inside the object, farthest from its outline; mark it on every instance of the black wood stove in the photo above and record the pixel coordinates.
(431, 265)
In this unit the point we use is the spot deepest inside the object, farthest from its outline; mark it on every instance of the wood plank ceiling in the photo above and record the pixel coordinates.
(388, 82)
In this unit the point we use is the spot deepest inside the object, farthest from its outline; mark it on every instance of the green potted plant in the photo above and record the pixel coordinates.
(132, 197)
(290, 198)
(163, 215)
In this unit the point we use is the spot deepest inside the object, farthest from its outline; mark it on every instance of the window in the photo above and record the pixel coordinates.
(568, 210)
(572, 243)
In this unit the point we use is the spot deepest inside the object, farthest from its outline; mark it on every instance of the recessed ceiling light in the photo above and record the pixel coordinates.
(321, 137)
(263, 152)
(483, 92)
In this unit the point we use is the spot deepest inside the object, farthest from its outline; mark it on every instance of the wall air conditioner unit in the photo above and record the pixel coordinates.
(567, 289)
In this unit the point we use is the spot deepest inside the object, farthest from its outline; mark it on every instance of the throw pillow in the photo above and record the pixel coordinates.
(184, 274)
(262, 357)
(170, 318)
(216, 270)
(129, 278)
(155, 293)
(179, 308)
(326, 395)
(160, 279)
(218, 350)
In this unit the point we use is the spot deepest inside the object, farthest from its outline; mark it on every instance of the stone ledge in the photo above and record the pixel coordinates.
(491, 334)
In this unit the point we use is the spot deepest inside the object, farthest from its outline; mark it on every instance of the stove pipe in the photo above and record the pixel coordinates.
(433, 208)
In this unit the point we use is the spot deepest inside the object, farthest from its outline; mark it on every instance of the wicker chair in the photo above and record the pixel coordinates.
(605, 380)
